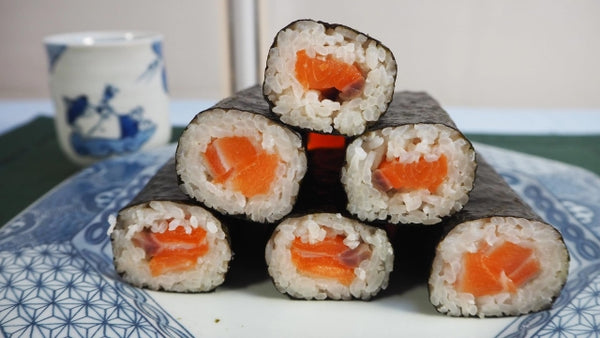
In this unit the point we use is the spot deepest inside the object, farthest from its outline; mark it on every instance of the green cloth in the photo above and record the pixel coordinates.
(582, 151)
(31, 162)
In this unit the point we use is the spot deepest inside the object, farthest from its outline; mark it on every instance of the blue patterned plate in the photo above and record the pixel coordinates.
(57, 279)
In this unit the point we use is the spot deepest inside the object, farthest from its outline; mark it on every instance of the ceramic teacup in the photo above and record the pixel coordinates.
(109, 91)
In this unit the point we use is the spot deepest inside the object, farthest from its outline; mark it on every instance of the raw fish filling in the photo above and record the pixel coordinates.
(235, 160)
(505, 267)
(335, 79)
(172, 251)
(329, 258)
(420, 174)
(325, 141)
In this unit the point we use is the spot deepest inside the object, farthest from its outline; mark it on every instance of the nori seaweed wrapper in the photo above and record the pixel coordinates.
(491, 197)
(162, 187)
(321, 189)
(414, 108)
(249, 100)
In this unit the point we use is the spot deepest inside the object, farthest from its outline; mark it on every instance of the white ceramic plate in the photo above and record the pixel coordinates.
(57, 279)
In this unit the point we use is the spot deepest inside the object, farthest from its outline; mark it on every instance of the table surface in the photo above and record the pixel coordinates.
(31, 163)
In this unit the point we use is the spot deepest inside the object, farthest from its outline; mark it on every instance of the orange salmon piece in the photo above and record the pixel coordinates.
(415, 175)
(235, 159)
(178, 251)
(176, 260)
(325, 141)
(227, 153)
(256, 177)
(483, 270)
(215, 165)
(516, 262)
(323, 259)
(323, 73)
(477, 278)
(507, 257)
(324, 267)
(178, 235)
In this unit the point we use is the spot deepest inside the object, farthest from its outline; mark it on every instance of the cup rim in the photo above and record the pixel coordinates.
(103, 38)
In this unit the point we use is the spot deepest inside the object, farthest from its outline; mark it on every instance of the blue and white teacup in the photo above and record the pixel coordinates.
(109, 91)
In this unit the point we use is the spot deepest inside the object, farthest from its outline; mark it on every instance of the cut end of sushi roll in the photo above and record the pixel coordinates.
(414, 173)
(499, 266)
(241, 163)
(328, 256)
(170, 246)
(328, 77)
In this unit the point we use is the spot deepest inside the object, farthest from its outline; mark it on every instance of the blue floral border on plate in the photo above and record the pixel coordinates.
(56, 273)
(57, 278)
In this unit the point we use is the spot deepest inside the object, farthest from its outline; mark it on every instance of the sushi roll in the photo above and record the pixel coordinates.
(238, 159)
(326, 255)
(163, 241)
(413, 166)
(499, 258)
(328, 77)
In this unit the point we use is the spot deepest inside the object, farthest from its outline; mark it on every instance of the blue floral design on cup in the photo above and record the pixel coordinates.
(91, 134)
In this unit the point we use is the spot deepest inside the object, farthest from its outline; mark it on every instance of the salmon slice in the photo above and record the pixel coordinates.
(172, 251)
(507, 257)
(410, 176)
(256, 177)
(176, 260)
(330, 258)
(178, 235)
(326, 73)
(325, 141)
(235, 159)
(226, 153)
(503, 268)
(477, 278)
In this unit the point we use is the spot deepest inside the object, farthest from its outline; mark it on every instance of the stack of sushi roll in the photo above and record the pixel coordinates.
(327, 154)
(163, 241)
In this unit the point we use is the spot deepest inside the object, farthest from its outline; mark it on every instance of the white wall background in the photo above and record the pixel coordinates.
(512, 53)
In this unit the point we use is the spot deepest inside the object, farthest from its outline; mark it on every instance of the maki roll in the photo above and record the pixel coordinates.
(326, 255)
(413, 166)
(328, 77)
(499, 258)
(163, 241)
(238, 159)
